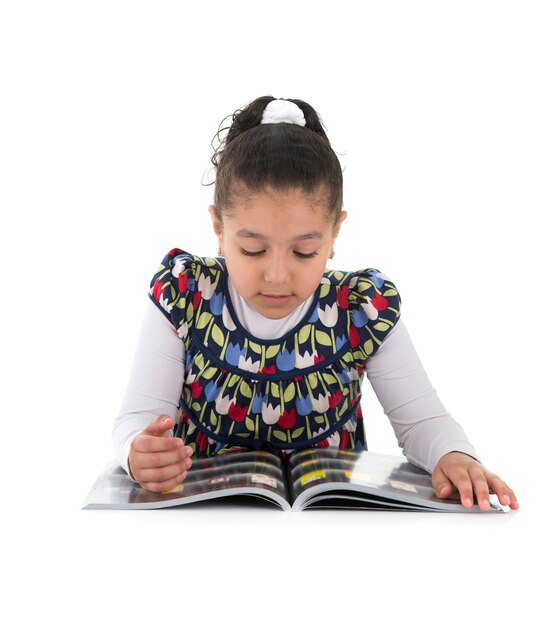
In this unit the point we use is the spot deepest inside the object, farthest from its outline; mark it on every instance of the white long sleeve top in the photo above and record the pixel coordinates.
(424, 429)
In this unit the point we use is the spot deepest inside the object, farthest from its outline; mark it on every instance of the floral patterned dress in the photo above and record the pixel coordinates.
(297, 391)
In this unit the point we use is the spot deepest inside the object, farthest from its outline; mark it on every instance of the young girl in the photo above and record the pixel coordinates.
(262, 347)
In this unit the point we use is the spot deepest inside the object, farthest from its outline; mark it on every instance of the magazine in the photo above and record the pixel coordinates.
(315, 478)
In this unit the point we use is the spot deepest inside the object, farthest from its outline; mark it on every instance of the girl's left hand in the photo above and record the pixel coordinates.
(462, 472)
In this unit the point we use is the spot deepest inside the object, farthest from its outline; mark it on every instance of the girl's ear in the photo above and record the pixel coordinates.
(337, 227)
(217, 225)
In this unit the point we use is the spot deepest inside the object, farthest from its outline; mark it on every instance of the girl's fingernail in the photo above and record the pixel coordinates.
(506, 500)
(467, 502)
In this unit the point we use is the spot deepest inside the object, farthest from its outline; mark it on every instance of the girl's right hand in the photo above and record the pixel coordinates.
(159, 462)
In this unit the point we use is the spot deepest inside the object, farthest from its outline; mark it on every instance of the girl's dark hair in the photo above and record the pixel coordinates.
(283, 156)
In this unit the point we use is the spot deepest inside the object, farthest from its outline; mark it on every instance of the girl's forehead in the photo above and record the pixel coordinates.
(289, 210)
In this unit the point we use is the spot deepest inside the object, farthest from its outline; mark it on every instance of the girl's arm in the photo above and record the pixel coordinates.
(155, 382)
(423, 427)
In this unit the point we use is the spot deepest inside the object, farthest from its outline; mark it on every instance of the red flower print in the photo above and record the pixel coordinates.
(379, 302)
(287, 419)
(175, 251)
(183, 281)
(344, 439)
(270, 369)
(157, 289)
(342, 296)
(196, 300)
(359, 413)
(201, 441)
(196, 389)
(297, 378)
(184, 418)
(334, 400)
(354, 338)
(237, 413)
(323, 443)
(319, 358)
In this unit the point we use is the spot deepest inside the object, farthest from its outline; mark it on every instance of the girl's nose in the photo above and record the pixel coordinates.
(276, 271)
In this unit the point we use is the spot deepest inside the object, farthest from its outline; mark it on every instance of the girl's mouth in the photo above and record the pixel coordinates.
(281, 299)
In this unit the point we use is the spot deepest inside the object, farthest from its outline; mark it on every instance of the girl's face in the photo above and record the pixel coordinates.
(276, 245)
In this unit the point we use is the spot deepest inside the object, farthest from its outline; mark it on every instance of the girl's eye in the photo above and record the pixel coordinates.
(252, 253)
(261, 252)
(306, 256)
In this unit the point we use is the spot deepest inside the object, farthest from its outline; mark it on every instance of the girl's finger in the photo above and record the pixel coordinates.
(504, 492)
(461, 479)
(481, 488)
(441, 483)
(162, 474)
(165, 485)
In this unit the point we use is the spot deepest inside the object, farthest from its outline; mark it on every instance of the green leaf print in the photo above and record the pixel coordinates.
(313, 380)
(280, 435)
(368, 347)
(204, 320)
(217, 335)
(249, 424)
(209, 372)
(331, 380)
(181, 304)
(344, 407)
(245, 389)
(274, 388)
(196, 406)
(272, 351)
(363, 285)
(324, 289)
(390, 292)
(254, 346)
(298, 432)
(289, 392)
(319, 419)
(382, 326)
(213, 418)
(189, 311)
(304, 333)
(323, 338)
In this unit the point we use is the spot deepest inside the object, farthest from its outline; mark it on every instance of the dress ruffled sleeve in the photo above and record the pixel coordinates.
(173, 286)
(374, 304)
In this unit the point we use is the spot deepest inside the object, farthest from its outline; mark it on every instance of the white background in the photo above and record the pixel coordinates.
(444, 115)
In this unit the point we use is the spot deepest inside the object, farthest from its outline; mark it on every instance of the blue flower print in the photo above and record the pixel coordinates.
(359, 317)
(234, 353)
(211, 391)
(344, 375)
(303, 405)
(285, 361)
(259, 399)
(216, 303)
(340, 341)
(373, 274)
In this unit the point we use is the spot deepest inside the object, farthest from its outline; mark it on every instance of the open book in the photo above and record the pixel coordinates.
(309, 479)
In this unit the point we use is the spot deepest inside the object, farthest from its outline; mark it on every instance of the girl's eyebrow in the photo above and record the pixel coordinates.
(244, 232)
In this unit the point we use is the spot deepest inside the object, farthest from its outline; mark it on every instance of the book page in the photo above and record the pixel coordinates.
(232, 472)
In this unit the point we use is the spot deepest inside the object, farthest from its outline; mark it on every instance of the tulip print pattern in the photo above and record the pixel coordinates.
(300, 390)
